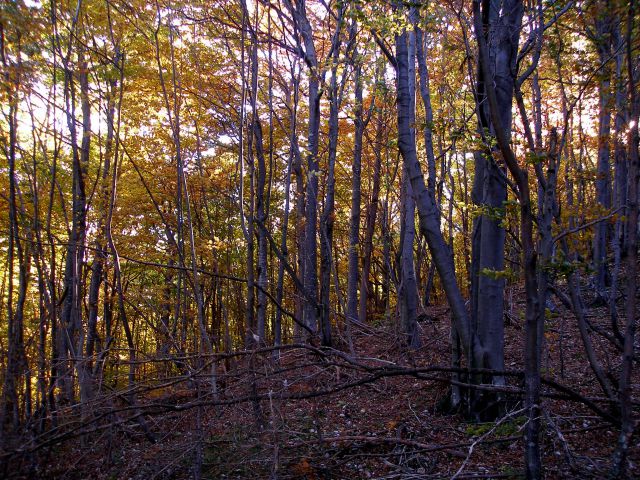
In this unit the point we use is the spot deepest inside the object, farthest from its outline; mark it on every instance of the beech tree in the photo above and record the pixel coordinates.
(235, 221)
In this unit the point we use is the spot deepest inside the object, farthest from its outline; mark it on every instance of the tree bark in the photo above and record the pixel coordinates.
(619, 466)
(603, 28)
(356, 169)
(427, 211)
(532, 315)
(100, 248)
(310, 312)
(327, 218)
(371, 216)
(499, 28)
(71, 315)
(294, 158)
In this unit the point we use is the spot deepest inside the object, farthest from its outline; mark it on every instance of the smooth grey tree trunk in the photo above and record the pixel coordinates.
(205, 344)
(371, 216)
(500, 24)
(408, 291)
(300, 236)
(294, 158)
(532, 314)
(328, 213)
(619, 464)
(354, 224)
(260, 199)
(261, 213)
(310, 312)
(18, 247)
(71, 315)
(427, 210)
(425, 95)
(247, 223)
(100, 255)
(618, 243)
(327, 219)
(306, 47)
(603, 29)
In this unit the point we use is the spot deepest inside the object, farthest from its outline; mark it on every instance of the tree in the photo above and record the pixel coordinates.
(500, 27)
(213, 204)
(427, 211)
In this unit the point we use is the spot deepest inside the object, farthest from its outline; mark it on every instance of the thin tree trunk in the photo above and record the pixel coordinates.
(328, 213)
(246, 220)
(310, 312)
(206, 347)
(294, 158)
(354, 223)
(618, 242)
(408, 292)
(71, 315)
(427, 211)
(371, 216)
(16, 359)
(603, 26)
(100, 253)
(619, 466)
(256, 141)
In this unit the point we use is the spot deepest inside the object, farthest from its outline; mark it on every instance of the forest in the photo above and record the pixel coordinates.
(318, 239)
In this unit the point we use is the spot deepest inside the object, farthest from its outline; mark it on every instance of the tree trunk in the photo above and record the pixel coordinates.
(16, 360)
(532, 315)
(620, 180)
(427, 210)
(371, 216)
(603, 26)
(260, 207)
(408, 291)
(328, 213)
(294, 158)
(310, 312)
(100, 249)
(500, 26)
(354, 225)
(71, 315)
(619, 466)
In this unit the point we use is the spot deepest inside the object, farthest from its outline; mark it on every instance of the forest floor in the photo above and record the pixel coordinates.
(330, 417)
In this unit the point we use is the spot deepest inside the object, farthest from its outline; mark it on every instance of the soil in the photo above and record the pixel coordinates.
(309, 415)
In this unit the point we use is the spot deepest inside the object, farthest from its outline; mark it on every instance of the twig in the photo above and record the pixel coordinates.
(482, 437)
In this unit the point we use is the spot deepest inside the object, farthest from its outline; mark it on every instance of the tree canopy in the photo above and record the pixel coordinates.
(192, 191)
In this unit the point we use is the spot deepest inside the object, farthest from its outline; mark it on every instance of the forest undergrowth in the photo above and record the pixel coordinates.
(317, 413)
